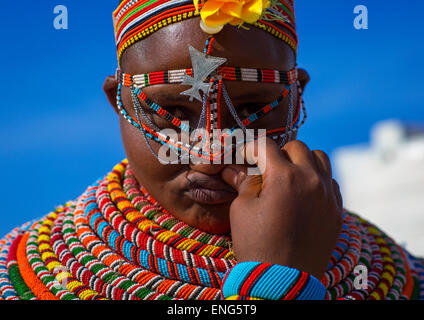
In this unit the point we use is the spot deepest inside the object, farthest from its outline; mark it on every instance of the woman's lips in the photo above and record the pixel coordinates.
(209, 196)
(208, 189)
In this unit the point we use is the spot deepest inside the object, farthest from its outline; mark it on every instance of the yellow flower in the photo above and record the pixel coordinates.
(217, 13)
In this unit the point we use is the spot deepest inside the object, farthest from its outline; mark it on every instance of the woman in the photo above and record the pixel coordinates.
(199, 226)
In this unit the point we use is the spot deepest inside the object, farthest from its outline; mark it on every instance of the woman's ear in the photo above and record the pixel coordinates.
(303, 77)
(110, 87)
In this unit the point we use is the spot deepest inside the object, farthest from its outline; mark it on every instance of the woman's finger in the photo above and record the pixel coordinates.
(266, 155)
(337, 194)
(244, 184)
(323, 163)
(269, 160)
(300, 154)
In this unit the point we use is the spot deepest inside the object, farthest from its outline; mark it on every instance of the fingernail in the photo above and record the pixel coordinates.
(239, 178)
(229, 173)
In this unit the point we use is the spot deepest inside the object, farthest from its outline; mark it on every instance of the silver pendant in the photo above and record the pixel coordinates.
(202, 65)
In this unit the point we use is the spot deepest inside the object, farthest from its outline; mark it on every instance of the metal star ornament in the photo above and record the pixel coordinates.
(202, 65)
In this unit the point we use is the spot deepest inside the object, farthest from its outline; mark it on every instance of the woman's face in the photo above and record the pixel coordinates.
(195, 193)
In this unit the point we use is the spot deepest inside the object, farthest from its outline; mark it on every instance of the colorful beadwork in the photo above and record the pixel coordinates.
(249, 280)
(210, 117)
(213, 113)
(116, 242)
(134, 20)
(226, 73)
(181, 125)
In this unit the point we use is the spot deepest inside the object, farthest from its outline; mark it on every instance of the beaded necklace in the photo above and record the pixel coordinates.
(116, 242)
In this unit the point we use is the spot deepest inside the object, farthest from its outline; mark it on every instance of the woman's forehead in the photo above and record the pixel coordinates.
(167, 49)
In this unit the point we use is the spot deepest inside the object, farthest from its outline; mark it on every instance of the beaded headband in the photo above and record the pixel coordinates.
(134, 20)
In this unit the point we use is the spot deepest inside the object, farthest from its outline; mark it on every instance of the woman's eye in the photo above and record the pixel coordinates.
(247, 109)
(177, 112)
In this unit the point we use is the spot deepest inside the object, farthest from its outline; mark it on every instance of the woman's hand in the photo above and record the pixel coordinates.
(291, 214)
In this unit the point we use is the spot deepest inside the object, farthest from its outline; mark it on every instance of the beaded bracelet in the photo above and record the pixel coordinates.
(273, 282)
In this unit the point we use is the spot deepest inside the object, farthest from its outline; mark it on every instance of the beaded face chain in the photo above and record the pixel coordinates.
(207, 75)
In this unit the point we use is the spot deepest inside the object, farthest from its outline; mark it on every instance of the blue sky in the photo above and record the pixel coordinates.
(58, 133)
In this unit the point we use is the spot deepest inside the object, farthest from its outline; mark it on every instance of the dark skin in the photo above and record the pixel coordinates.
(291, 214)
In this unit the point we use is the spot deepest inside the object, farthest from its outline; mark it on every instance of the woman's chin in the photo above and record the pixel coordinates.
(218, 229)
(213, 219)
